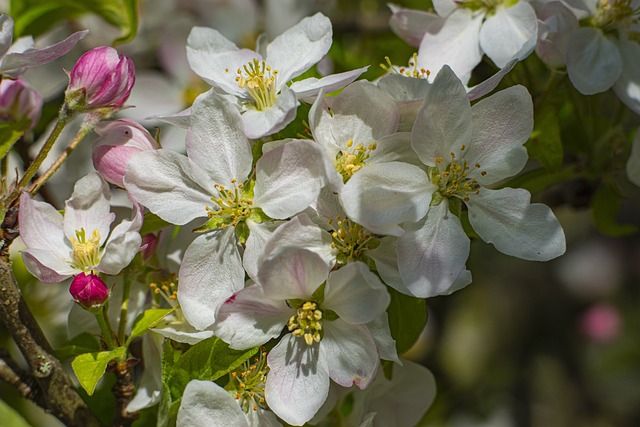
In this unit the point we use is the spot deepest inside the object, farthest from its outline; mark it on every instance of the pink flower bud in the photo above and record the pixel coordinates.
(119, 141)
(149, 245)
(19, 102)
(89, 290)
(102, 77)
(601, 323)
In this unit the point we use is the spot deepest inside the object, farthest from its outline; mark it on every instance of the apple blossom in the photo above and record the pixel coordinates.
(80, 242)
(19, 102)
(260, 84)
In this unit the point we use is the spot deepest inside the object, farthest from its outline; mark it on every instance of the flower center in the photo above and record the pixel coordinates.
(453, 181)
(233, 206)
(410, 71)
(307, 323)
(86, 252)
(247, 383)
(166, 289)
(260, 82)
(350, 240)
(352, 159)
(615, 14)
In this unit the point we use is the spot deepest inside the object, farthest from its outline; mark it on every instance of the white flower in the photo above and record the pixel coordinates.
(58, 247)
(326, 314)
(217, 181)
(259, 79)
(464, 30)
(17, 57)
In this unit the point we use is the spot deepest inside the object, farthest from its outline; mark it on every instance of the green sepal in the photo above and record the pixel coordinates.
(242, 231)
(213, 223)
(152, 222)
(257, 215)
(90, 367)
(318, 295)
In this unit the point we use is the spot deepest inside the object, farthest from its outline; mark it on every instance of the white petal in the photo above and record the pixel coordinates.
(41, 226)
(300, 47)
(261, 123)
(248, 318)
(627, 87)
(444, 7)
(351, 353)
(483, 88)
(510, 33)
(514, 226)
(387, 194)
(47, 266)
(182, 332)
(259, 233)
(455, 44)
(89, 208)
(6, 33)
(148, 392)
(386, 259)
(356, 294)
(502, 123)
(170, 185)
(211, 272)
(312, 86)
(444, 120)
(593, 61)
(123, 244)
(217, 60)
(206, 404)
(292, 273)
(395, 148)
(411, 25)
(432, 253)
(556, 24)
(298, 380)
(381, 334)
(289, 178)
(216, 141)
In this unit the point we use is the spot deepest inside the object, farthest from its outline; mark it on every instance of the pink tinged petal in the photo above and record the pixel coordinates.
(204, 401)
(411, 25)
(211, 272)
(47, 266)
(481, 89)
(455, 44)
(292, 273)
(510, 33)
(632, 168)
(89, 208)
(6, 33)
(111, 162)
(16, 63)
(259, 233)
(289, 178)
(215, 141)
(123, 244)
(593, 61)
(508, 220)
(556, 23)
(217, 60)
(351, 353)
(502, 123)
(356, 294)
(432, 253)
(41, 226)
(444, 121)
(261, 123)
(312, 86)
(298, 380)
(627, 87)
(381, 334)
(402, 401)
(170, 185)
(387, 194)
(299, 48)
(302, 233)
(248, 318)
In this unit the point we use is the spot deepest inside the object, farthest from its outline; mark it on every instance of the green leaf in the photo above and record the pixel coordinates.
(545, 144)
(147, 319)
(407, 318)
(90, 367)
(604, 210)
(208, 360)
(10, 133)
(153, 222)
(34, 17)
(80, 344)
(10, 417)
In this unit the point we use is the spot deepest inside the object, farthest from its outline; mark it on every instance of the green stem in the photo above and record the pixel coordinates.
(124, 309)
(105, 327)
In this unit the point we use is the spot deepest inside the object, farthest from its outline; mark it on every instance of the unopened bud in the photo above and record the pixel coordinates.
(119, 141)
(19, 102)
(102, 77)
(149, 245)
(89, 290)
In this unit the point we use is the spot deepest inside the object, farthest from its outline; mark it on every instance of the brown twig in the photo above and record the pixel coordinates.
(123, 391)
